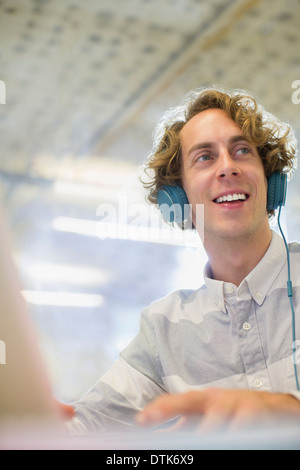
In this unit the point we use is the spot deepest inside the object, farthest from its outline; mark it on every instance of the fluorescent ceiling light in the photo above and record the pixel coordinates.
(71, 225)
(60, 273)
(64, 299)
(86, 191)
(111, 230)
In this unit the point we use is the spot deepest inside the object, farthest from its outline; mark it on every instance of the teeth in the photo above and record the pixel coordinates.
(231, 197)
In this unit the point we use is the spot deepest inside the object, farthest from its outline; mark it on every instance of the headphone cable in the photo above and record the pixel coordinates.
(290, 295)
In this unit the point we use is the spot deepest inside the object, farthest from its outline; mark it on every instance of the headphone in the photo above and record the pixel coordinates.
(173, 202)
(174, 206)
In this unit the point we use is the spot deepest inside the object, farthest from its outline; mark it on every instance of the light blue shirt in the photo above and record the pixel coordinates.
(217, 336)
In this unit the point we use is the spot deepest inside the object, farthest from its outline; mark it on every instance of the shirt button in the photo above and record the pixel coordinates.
(259, 295)
(229, 289)
(246, 326)
(258, 383)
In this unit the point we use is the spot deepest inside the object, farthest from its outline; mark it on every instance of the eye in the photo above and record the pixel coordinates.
(203, 158)
(243, 151)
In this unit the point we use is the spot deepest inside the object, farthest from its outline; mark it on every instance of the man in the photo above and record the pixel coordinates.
(222, 352)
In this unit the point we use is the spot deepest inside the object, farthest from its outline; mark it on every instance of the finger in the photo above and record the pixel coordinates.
(67, 412)
(247, 419)
(213, 421)
(168, 407)
(178, 425)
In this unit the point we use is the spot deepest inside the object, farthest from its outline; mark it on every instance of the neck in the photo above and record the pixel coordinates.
(231, 260)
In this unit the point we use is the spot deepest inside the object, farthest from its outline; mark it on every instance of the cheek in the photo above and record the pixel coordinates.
(188, 187)
(194, 188)
(193, 193)
(261, 194)
(265, 190)
(259, 181)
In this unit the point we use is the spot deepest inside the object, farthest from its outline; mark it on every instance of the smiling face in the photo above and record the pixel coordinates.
(223, 171)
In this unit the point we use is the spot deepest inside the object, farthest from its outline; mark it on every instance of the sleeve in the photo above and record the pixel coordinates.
(132, 382)
(294, 394)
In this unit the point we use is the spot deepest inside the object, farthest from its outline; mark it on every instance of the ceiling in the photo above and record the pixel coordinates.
(77, 72)
(86, 83)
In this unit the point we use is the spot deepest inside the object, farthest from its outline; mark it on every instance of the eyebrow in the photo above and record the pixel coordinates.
(232, 140)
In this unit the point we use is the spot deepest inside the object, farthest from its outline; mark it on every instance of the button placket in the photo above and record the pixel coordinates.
(246, 326)
(249, 339)
(229, 289)
(258, 383)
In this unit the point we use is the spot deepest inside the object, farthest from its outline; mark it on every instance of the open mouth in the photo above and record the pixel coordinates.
(231, 198)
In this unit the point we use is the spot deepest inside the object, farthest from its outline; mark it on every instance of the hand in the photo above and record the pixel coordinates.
(66, 412)
(214, 408)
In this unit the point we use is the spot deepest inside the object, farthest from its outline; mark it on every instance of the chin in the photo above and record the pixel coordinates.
(230, 231)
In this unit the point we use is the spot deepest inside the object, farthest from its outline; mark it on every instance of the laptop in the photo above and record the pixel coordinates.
(25, 390)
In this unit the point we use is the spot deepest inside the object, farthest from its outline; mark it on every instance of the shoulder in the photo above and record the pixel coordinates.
(294, 247)
(178, 305)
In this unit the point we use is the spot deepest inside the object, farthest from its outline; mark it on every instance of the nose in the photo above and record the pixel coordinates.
(227, 167)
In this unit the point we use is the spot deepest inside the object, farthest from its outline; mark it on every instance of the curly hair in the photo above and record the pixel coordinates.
(274, 140)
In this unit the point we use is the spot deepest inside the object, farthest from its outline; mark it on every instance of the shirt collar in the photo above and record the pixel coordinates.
(258, 282)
